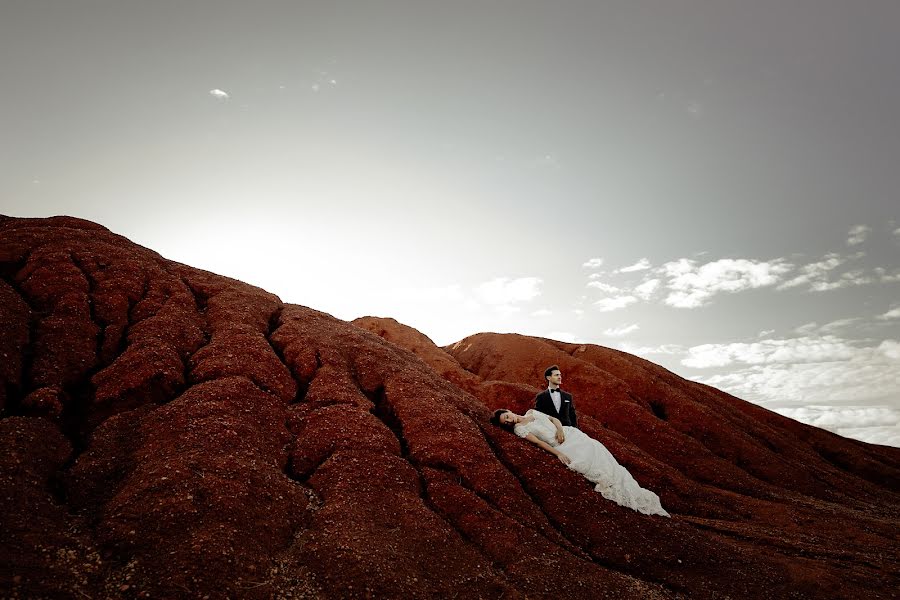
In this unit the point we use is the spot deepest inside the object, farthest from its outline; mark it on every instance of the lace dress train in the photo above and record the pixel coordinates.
(592, 459)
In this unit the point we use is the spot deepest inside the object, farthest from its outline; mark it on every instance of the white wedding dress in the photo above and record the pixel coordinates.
(593, 460)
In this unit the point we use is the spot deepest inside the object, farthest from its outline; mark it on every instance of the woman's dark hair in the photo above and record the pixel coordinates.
(495, 420)
(550, 370)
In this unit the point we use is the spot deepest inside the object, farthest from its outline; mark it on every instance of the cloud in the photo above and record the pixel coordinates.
(851, 278)
(894, 313)
(825, 371)
(610, 304)
(877, 424)
(886, 277)
(594, 263)
(890, 348)
(604, 287)
(219, 94)
(641, 265)
(839, 324)
(858, 234)
(622, 330)
(797, 350)
(503, 291)
(543, 312)
(646, 289)
(814, 271)
(692, 286)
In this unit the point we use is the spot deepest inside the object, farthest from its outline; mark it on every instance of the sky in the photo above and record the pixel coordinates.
(711, 185)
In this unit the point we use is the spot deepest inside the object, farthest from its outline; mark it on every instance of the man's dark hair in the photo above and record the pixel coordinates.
(550, 370)
(495, 420)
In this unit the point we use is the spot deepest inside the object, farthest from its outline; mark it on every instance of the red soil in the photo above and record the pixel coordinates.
(173, 433)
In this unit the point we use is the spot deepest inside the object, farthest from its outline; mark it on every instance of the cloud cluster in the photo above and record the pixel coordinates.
(858, 235)
(879, 424)
(688, 283)
(691, 285)
(641, 265)
(792, 372)
(219, 94)
(614, 303)
(814, 272)
(797, 350)
(622, 330)
(893, 313)
(604, 287)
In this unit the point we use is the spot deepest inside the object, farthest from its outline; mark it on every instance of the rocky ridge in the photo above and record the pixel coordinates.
(171, 432)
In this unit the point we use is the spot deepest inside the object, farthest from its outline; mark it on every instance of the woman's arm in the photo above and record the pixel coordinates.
(562, 457)
(560, 435)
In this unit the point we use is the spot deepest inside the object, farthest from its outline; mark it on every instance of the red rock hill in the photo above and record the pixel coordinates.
(168, 432)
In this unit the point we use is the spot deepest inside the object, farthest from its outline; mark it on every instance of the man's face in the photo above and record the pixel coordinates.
(555, 377)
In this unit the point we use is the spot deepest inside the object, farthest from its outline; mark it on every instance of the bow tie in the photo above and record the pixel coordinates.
(557, 390)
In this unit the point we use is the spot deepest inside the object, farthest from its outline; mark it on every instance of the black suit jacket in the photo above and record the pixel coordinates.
(566, 415)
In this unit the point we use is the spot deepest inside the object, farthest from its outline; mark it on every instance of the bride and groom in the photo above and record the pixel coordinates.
(553, 425)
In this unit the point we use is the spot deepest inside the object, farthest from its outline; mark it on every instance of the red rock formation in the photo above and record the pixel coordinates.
(170, 432)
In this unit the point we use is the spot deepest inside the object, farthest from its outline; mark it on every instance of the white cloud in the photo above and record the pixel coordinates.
(851, 278)
(622, 330)
(641, 265)
(807, 328)
(315, 87)
(504, 291)
(835, 326)
(835, 376)
(858, 234)
(691, 285)
(797, 350)
(814, 271)
(609, 304)
(594, 263)
(896, 232)
(765, 333)
(886, 277)
(890, 348)
(873, 424)
(894, 313)
(219, 94)
(604, 287)
(543, 312)
(646, 289)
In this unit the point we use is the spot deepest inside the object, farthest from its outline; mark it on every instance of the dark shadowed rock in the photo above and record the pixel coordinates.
(168, 432)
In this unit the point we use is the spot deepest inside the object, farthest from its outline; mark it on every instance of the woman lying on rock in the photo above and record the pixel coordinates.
(582, 454)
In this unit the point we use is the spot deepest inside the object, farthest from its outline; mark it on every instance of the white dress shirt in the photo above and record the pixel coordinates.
(556, 396)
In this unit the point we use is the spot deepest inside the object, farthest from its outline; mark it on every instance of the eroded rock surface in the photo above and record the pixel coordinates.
(169, 432)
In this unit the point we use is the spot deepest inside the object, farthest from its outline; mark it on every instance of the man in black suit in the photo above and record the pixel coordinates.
(555, 402)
